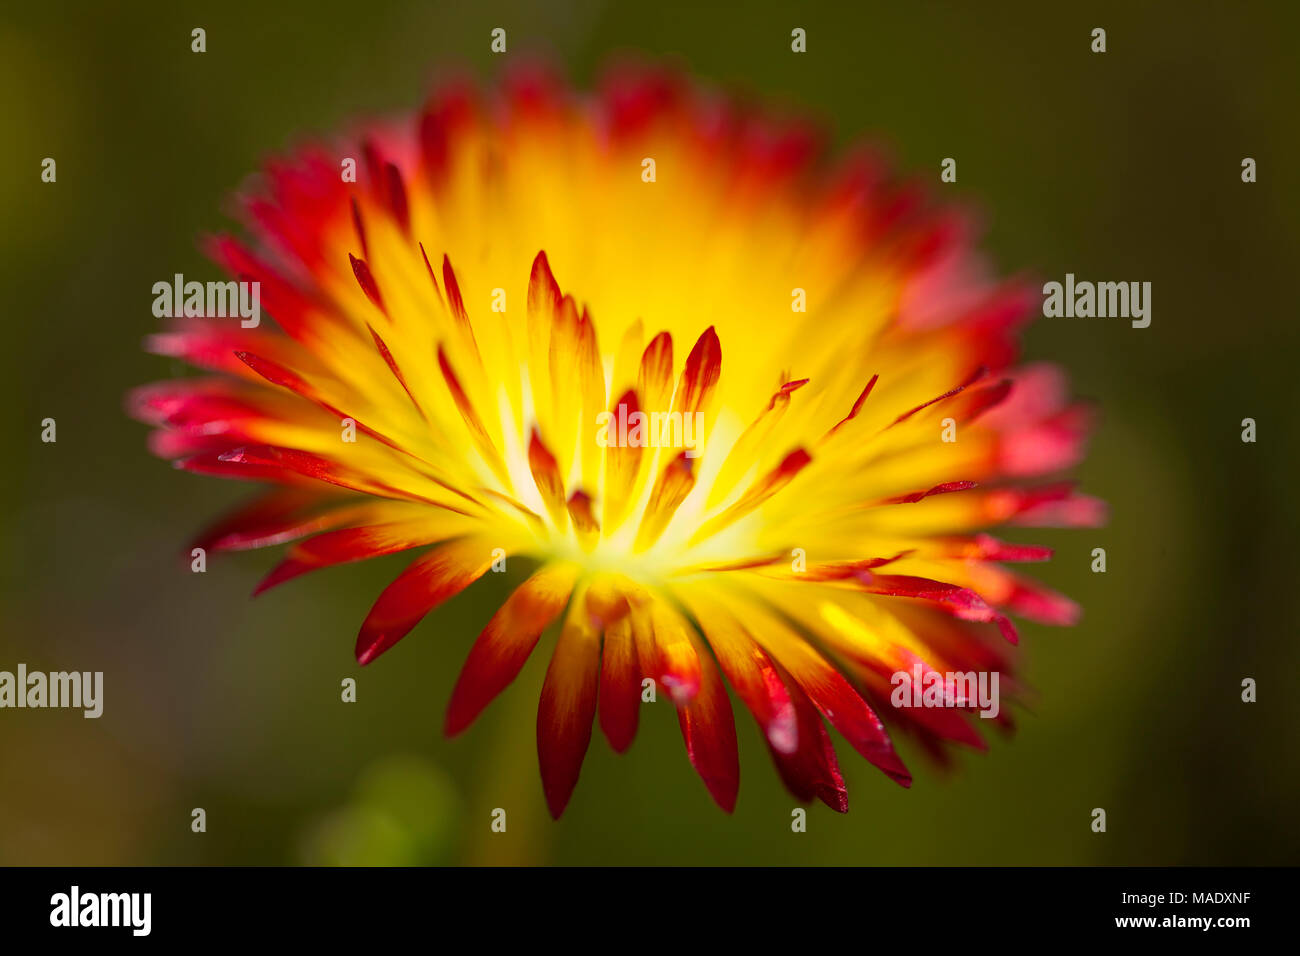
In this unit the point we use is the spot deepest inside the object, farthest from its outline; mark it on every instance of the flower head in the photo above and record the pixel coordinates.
(750, 413)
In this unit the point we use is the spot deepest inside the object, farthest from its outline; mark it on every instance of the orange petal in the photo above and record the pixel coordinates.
(620, 684)
(812, 770)
(856, 409)
(584, 521)
(442, 573)
(274, 517)
(700, 377)
(709, 731)
(482, 440)
(357, 544)
(546, 474)
(676, 658)
(387, 356)
(624, 463)
(504, 645)
(568, 707)
(655, 377)
(759, 492)
(796, 737)
(670, 490)
(367, 282)
(756, 437)
(834, 696)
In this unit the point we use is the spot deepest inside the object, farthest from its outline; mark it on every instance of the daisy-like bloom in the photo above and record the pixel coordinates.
(469, 333)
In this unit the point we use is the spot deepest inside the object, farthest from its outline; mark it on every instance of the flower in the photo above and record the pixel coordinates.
(751, 413)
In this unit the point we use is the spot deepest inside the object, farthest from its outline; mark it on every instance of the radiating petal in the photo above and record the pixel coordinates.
(568, 706)
(442, 573)
(504, 646)
(709, 731)
(620, 684)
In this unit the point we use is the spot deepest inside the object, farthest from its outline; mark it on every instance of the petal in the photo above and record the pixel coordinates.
(273, 517)
(700, 376)
(674, 658)
(709, 730)
(624, 464)
(655, 375)
(281, 464)
(795, 735)
(834, 696)
(620, 684)
(763, 489)
(433, 578)
(812, 770)
(364, 541)
(568, 707)
(549, 481)
(366, 280)
(670, 490)
(750, 671)
(501, 650)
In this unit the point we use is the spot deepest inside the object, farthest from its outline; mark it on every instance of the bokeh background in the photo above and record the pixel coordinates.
(1117, 166)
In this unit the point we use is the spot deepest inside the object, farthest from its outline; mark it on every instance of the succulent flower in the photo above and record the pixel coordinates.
(749, 412)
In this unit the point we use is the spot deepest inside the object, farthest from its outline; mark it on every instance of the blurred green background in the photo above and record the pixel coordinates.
(1117, 166)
